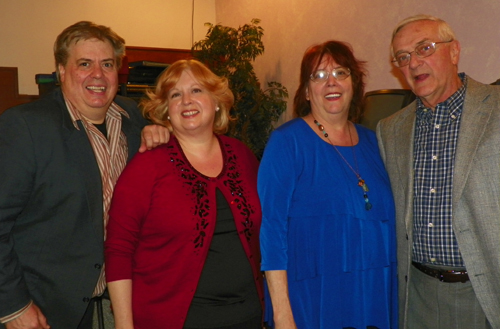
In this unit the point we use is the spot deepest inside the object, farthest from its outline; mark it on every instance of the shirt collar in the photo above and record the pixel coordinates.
(453, 105)
(114, 110)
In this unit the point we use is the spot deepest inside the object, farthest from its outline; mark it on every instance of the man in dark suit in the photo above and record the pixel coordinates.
(442, 153)
(60, 158)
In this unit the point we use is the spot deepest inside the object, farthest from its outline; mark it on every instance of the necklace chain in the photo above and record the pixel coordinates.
(361, 181)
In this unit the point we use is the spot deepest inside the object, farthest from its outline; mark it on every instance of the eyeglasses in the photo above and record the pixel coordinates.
(422, 51)
(340, 73)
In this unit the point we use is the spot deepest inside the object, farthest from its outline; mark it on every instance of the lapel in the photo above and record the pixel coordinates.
(133, 134)
(475, 116)
(404, 131)
(82, 156)
(132, 126)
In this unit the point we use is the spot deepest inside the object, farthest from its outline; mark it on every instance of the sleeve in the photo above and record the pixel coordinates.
(129, 208)
(17, 172)
(276, 185)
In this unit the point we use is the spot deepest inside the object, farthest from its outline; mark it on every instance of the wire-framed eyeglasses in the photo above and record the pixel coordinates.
(340, 73)
(423, 50)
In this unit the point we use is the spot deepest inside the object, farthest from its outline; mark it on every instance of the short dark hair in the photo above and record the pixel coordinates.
(342, 53)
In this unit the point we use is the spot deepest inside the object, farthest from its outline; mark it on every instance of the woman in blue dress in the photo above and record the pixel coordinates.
(328, 235)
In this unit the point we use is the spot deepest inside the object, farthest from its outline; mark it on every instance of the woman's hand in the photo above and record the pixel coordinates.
(285, 323)
(120, 292)
(278, 289)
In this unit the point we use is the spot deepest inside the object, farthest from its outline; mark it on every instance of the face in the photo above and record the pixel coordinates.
(190, 106)
(330, 97)
(434, 78)
(90, 78)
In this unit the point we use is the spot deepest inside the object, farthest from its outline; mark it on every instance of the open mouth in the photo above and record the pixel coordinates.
(96, 89)
(333, 96)
(189, 113)
(420, 77)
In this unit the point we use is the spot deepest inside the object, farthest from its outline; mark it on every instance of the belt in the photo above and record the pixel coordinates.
(443, 275)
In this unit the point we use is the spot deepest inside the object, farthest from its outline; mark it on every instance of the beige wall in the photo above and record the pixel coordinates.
(28, 28)
(290, 26)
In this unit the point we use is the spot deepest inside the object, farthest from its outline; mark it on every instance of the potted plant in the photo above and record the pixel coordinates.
(230, 52)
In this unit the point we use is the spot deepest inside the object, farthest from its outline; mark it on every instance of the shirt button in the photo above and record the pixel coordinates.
(437, 126)
(430, 225)
(433, 259)
(453, 116)
(433, 190)
(434, 157)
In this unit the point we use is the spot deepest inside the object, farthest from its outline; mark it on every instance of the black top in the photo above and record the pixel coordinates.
(102, 128)
(226, 292)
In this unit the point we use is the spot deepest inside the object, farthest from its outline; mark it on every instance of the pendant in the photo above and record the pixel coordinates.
(362, 184)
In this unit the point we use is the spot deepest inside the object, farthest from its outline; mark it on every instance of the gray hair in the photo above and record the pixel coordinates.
(445, 31)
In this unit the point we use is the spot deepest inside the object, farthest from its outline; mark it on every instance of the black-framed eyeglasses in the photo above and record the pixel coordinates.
(340, 73)
(423, 50)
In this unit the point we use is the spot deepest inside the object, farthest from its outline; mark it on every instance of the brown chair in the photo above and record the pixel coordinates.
(380, 104)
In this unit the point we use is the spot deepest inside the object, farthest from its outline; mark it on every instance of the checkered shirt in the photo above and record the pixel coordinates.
(435, 143)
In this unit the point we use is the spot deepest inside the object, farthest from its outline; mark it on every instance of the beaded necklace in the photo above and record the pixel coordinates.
(361, 181)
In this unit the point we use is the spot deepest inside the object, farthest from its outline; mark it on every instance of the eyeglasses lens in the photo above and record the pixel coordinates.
(340, 73)
(422, 51)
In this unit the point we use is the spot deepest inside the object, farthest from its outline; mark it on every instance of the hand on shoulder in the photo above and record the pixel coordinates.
(153, 136)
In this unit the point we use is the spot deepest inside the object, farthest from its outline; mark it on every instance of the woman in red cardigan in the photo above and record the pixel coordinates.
(182, 246)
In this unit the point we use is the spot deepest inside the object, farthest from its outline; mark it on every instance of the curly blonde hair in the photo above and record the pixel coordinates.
(155, 108)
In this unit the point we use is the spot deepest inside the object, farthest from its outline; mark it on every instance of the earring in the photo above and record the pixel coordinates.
(168, 118)
(217, 109)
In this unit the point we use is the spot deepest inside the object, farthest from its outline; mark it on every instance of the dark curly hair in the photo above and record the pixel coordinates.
(342, 54)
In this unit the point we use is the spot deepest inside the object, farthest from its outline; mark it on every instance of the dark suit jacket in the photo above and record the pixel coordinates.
(51, 224)
(475, 196)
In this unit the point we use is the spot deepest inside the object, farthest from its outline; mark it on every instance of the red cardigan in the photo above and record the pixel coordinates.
(161, 224)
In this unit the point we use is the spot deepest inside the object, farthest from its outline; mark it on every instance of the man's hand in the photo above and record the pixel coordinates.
(31, 319)
(153, 136)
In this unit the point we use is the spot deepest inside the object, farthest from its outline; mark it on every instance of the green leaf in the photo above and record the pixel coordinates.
(230, 52)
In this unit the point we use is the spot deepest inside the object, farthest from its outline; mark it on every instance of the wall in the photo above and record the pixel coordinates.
(290, 26)
(30, 27)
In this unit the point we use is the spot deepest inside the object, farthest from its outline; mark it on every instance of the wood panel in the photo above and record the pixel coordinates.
(9, 89)
(161, 55)
(9, 83)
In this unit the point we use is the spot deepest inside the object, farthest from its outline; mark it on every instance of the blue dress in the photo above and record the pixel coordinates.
(340, 258)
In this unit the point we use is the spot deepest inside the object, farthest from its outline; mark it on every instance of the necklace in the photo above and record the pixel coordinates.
(361, 181)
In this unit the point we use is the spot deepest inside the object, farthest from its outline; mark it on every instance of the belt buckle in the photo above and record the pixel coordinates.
(463, 278)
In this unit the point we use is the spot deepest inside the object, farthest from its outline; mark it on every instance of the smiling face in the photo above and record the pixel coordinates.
(89, 80)
(330, 97)
(191, 107)
(434, 78)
